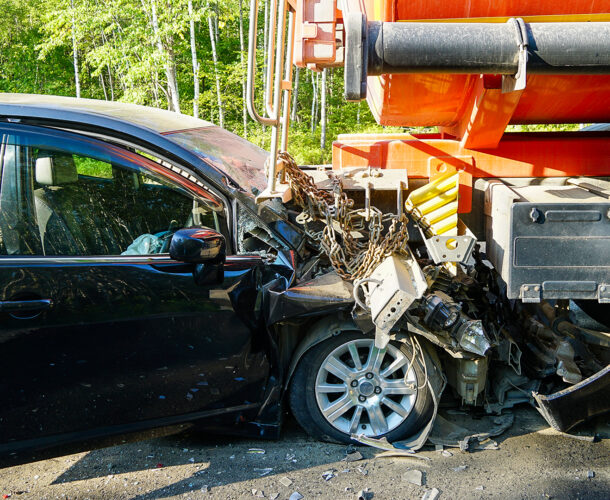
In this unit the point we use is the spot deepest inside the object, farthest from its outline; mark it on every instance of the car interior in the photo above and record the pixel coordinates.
(84, 206)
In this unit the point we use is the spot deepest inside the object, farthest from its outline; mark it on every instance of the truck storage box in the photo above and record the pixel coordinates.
(549, 242)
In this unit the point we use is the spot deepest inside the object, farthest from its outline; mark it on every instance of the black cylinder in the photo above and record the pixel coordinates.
(487, 48)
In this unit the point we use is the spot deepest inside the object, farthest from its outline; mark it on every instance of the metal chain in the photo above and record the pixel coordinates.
(351, 258)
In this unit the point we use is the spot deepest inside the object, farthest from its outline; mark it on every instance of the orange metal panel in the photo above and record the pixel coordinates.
(438, 9)
(488, 111)
(426, 100)
(556, 154)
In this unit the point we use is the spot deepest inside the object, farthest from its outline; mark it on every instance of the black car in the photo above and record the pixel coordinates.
(142, 287)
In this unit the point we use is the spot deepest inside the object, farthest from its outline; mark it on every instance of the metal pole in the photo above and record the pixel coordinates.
(288, 83)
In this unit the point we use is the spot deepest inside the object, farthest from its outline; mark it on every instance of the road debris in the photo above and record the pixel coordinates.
(480, 488)
(365, 494)
(353, 457)
(264, 471)
(295, 496)
(382, 443)
(446, 453)
(460, 468)
(286, 481)
(362, 470)
(590, 474)
(402, 454)
(328, 475)
(274, 496)
(258, 493)
(448, 432)
(490, 444)
(431, 494)
(256, 451)
(414, 476)
(595, 438)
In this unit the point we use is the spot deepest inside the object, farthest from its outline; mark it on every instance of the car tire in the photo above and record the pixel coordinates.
(394, 404)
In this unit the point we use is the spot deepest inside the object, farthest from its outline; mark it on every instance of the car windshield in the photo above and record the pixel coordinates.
(239, 159)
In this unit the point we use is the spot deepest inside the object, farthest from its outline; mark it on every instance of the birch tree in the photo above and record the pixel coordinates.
(221, 118)
(323, 111)
(75, 50)
(195, 62)
(173, 99)
(295, 95)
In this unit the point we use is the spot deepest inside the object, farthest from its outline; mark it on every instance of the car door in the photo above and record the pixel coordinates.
(101, 331)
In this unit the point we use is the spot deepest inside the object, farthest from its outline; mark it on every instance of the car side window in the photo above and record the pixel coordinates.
(87, 201)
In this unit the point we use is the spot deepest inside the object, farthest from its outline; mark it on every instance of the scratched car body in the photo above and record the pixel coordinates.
(142, 288)
(102, 332)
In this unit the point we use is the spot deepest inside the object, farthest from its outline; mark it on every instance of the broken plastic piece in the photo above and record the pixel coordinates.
(452, 435)
(365, 494)
(414, 476)
(564, 409)
(431, 494)
(353, 457)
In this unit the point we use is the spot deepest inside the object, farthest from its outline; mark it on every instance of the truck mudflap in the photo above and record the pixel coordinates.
(566, 408)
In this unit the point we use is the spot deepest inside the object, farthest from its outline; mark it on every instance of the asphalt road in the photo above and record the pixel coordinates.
(532, 462)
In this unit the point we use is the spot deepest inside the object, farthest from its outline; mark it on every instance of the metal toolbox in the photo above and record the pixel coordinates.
(550, 242)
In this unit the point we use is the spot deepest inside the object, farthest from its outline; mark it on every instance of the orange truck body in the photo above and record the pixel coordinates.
(470, 111)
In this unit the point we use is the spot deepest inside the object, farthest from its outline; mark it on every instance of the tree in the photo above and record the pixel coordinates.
(194, 59)
(153, 52)
(75, 48)
(212, 32)
(166, 52)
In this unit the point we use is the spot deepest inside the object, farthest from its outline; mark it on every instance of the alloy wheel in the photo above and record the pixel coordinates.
(361, 389)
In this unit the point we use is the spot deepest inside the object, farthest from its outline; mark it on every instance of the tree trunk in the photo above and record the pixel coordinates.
(110, 80)
(314, 102)
(221, 117)
(295, 95)
(103, 84)
(75, 51)
(173, 99)
(242, 49)
(101, 76)
(194, 60)
(216, 16)
(323, 111)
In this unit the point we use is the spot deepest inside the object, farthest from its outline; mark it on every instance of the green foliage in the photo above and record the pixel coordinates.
(122, 57)
(92, 167)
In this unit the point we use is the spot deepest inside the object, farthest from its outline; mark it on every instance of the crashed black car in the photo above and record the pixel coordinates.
(142, 287)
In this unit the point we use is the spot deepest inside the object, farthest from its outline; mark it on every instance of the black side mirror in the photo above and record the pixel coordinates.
(201, 246)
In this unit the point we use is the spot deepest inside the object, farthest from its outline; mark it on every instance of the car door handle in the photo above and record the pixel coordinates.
(25, 305)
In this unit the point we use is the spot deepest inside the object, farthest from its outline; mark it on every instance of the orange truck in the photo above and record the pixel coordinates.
(492, 247)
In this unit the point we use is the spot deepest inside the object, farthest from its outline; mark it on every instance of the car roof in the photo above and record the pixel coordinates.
(159, 120)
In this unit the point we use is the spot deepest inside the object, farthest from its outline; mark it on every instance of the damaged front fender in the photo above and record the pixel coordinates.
(322, 295)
